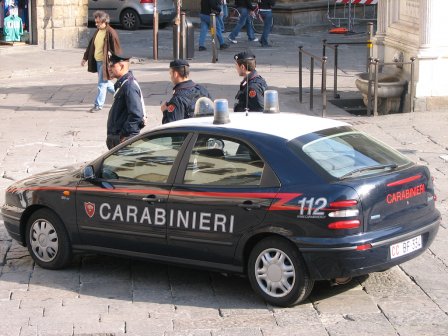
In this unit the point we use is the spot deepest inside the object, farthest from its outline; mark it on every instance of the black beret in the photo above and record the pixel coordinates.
(117, 58)
(179, 63)
(244, 56)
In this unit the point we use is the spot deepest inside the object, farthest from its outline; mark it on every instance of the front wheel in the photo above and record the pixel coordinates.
(277, 272)
(47, 240)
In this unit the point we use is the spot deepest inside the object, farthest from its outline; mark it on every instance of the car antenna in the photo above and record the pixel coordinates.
(247, 94)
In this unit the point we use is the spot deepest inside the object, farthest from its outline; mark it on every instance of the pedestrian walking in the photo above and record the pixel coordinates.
(104, 41)
(245, 8)
(224, 15)
(209, 7)
(250, 96)
(265, 7)
(127, 114)
(185, 93)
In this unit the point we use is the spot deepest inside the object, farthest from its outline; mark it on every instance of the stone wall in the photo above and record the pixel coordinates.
(59, 24)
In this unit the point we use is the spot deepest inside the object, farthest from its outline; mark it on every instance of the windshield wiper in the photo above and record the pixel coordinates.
(363, 169)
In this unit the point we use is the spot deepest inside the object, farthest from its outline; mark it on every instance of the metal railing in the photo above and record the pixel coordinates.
(323, 61)
(373, 80)
(335, 45)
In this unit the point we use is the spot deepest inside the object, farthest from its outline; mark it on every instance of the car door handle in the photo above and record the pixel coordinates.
(152, 199)
(248, 205)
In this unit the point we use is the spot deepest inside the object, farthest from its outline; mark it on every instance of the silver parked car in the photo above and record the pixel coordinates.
(131, 14)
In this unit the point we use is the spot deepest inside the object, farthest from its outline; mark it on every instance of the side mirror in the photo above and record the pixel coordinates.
(88, 173)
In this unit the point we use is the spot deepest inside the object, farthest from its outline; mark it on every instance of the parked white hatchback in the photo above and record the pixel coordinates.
(131, 14)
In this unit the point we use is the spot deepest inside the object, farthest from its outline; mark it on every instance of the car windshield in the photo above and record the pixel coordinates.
(350, 154)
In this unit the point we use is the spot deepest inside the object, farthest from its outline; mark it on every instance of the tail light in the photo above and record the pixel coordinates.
(146, 1)
(344, 210)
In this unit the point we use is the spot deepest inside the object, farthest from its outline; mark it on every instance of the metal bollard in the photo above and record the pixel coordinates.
(411, 93)
(311, 82)
(369, 88)
(369, 43)
(155, 33)
(300, 73)
(335, 81)
(183, 36)
(213, 34)
(324, 86)
(375, 89)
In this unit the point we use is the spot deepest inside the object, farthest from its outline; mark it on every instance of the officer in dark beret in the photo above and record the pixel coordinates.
(185, 93)
(250, 96)
(127, 114)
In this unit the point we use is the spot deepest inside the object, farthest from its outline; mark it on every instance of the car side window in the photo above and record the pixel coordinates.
(222, 161)
(144, 160)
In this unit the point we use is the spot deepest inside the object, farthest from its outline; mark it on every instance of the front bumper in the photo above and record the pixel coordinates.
(12, 223)
(335, 258)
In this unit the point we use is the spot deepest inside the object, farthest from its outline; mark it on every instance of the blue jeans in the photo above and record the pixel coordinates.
(104, 86)
(267, 28)
(225, 13)
(205, 26)
(245, 19)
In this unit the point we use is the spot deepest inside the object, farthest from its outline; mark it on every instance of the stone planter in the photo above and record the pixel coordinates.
(390, 90)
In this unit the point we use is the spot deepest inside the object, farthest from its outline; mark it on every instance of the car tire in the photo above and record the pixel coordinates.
(277, 272)
(130, 20)
(47, 240)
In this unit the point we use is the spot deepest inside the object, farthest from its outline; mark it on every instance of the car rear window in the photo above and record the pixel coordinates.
(344, 153)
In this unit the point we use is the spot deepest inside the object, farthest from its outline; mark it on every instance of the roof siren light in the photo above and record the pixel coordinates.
(204, 107)
(271, 102)
(221, 112)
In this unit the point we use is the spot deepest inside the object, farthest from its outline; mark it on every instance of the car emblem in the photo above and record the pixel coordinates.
(90, 209)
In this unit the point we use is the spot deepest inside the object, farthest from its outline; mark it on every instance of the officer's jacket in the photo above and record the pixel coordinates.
(126, 114)
(254, 92)
(181, 105)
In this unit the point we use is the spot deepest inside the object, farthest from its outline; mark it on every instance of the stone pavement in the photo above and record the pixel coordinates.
(44, 124)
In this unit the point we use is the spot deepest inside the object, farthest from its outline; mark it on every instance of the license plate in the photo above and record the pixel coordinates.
(166, 12)
(405, 247)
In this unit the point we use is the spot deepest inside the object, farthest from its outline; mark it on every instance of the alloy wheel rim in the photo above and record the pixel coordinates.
(275, 272)
(44, 240)
(129, 20)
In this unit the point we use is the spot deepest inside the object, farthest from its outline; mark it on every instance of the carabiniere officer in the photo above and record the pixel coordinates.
(250, 97)
(185, 93)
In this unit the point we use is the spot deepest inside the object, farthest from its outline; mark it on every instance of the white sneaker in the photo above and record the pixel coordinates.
(233, 41)
(254, 40)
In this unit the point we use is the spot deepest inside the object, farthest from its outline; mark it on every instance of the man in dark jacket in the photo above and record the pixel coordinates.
(266, 13)
(245, 8)
(104, 41)
(185, 93)
(127, 114)
(250, 96)
(210, 7)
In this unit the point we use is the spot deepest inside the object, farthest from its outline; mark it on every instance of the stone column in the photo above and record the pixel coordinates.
(381, 27)
(433, 49)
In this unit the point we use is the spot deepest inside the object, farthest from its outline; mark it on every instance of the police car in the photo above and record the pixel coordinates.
(286, 199)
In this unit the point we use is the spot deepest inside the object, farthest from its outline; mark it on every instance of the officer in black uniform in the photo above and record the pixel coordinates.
(250, 97)
(127, 114)
(185, 93)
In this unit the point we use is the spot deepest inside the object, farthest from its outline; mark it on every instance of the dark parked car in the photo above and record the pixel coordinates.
(131, 14)
(286, 199)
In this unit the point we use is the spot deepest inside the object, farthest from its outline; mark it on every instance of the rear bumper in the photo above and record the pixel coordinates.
(333, 258)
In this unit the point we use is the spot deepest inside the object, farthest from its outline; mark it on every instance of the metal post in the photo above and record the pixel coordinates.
(324, 47)
(213, 34)
(335, 93)
(369, 88)
(300, 74)
(183, 36)
(324, 85)
(375, 90)
(411, 93)
(155, 33)
(369, 43)
(311, 82)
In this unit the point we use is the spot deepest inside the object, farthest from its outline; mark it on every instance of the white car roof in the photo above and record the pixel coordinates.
(284, 125)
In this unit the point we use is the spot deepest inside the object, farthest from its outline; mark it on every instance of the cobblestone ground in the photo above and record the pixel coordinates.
(44, 124)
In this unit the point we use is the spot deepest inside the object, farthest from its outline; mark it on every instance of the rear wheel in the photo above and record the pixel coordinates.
(277, 272)
(47, 240)
(232, 18)
(257, 24)
(130, 20)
